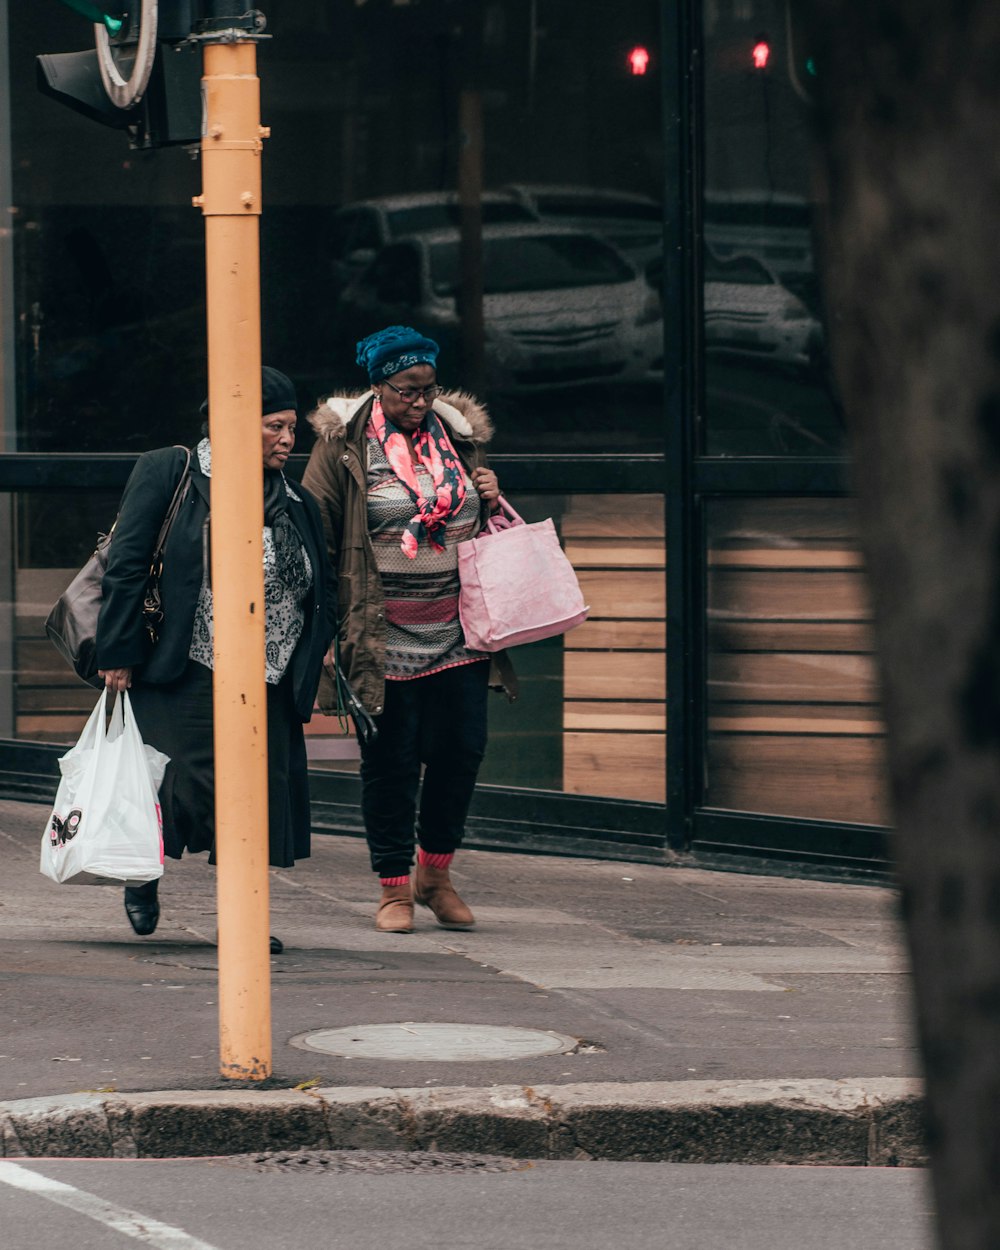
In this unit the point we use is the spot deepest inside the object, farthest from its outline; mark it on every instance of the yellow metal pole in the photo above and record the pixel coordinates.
(231, 202)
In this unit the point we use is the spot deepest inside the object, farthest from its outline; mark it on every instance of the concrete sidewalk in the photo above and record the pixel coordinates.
(702, 1015)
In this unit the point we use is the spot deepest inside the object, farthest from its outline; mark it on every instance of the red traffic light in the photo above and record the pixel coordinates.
(638, 60)
(761, 54)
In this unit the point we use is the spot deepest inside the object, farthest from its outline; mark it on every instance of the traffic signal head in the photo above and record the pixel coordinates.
(161, 104)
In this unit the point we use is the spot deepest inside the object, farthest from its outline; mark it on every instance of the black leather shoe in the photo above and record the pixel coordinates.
(277, 946)
(142, 907)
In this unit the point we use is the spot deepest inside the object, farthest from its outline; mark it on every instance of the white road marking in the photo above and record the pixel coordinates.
(142, 1227)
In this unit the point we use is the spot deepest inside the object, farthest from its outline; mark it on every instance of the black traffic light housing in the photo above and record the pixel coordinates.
(170, 109)
(74, 79)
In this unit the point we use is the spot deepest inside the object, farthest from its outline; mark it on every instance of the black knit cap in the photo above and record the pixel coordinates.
(277, 393)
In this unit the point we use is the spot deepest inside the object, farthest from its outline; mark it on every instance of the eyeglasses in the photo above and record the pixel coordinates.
(411, 394)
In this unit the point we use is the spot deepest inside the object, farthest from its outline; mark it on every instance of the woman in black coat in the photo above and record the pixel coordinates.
(170, 682)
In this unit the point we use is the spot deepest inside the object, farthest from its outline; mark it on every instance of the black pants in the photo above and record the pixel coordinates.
(438, 721)
(177, 719)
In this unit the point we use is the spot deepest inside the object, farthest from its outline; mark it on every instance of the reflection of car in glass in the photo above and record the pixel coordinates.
(633, 223)
(774, 228)
(560, 307)
(748, 311)
(358, 230)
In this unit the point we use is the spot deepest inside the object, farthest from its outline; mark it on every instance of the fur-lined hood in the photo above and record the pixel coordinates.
(466, 416)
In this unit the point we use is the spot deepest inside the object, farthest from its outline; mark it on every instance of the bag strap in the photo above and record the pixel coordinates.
(180, 491)
(504, 518)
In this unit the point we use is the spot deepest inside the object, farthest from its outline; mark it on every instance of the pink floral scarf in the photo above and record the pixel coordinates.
(435, 452)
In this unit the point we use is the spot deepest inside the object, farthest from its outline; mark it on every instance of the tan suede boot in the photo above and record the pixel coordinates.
(432, 888)
(395, 910)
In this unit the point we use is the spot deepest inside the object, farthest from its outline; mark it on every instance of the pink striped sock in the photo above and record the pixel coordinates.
(430, 860)
(395, 880)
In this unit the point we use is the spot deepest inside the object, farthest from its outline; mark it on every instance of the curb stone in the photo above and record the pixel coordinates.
(873, 1121)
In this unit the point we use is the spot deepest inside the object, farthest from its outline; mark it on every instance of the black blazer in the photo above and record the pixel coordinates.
(122, 641)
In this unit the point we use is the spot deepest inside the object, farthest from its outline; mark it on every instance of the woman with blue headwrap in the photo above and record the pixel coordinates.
(401, 478)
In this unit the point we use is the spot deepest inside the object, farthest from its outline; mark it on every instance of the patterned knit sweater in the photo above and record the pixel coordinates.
(423, 632)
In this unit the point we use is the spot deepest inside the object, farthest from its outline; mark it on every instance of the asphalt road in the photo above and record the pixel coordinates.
(367, 1201)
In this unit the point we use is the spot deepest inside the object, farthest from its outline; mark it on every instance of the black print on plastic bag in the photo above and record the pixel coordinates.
(63, 831)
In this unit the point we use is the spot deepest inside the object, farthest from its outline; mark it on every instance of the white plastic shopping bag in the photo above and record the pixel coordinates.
(105, 825)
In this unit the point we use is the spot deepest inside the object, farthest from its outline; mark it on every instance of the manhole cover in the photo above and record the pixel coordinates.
(443, 1042)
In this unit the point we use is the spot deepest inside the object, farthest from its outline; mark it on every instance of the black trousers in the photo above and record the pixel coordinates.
(177, 719)
(438, 721)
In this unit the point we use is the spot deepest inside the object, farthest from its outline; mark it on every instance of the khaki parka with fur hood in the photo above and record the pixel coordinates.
(337, 478)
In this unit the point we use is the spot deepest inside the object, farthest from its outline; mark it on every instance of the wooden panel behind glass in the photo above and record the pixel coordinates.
(794, 724)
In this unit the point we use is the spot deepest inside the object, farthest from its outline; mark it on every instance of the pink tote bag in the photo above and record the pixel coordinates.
(517, 585)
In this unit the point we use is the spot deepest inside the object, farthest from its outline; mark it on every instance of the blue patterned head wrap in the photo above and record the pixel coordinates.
(394, 349)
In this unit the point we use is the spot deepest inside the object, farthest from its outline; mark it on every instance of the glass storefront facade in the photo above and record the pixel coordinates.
(787, 755)
(767, 384)
(635, 298)
(793, 723)
(371, 115)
